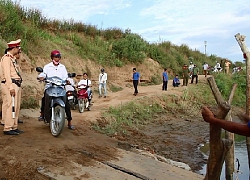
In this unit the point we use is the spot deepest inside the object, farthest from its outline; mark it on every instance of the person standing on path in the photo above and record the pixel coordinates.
(195, 74)
(185, 74)
(227, 64)
(190, 68)
(103, 83)
(136, 80)
(11, 88)
(17, 57)
(205, 68)
(165, 80)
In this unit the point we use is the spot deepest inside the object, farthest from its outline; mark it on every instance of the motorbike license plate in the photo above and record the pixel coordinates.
(70, 97)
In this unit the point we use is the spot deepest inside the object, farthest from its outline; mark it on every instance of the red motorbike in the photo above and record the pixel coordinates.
(83, 98)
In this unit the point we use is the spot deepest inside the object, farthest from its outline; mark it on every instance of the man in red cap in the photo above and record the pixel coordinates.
(10, 83)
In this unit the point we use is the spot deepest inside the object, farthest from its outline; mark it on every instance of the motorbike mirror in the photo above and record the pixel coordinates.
(39, 69)
(72, 74)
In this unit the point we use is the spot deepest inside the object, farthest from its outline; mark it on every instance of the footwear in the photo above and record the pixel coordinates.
(20, 121)
(11, 132)
(100, 96)
(18, 131)
(105, 96)
(71, 127)
(2, 124)
(40, 118)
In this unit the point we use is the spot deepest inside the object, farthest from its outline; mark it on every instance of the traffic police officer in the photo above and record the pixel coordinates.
(10, 83)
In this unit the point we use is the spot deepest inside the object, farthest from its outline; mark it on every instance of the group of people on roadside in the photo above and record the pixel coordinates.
(191, 71)
(187, 71)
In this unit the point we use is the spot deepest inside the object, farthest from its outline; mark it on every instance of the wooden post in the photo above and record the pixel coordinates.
(229, 160)
(241, 41)
(218, 147)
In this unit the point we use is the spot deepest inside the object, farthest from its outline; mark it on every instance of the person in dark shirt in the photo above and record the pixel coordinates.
(136, 80)
(165, 80)
(176, 81)
(185, 74)
(195, 73)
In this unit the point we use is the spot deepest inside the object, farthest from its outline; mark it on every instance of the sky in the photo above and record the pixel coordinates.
(189, 22)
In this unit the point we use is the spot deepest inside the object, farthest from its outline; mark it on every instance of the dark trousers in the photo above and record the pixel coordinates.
(67, 106)
(196, 78)
(185, 80)
(135, 83)
(164, 85)
(176, 84)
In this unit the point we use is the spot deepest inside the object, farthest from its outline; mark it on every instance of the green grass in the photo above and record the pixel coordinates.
(114, 88)
(30, 103)
(131, 114)
(225, 83)
(142, 111)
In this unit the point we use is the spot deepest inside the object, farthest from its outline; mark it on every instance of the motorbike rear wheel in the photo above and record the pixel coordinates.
(72, 104)
(57, 125)
(81, 105)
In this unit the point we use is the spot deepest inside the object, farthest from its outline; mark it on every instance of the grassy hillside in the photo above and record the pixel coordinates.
(109, 47)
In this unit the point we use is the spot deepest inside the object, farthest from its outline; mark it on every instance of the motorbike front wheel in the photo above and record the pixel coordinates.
(57, 125)
(81, 105)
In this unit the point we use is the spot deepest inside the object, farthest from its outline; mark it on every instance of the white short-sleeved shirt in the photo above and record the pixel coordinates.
(217, 65)
(205, 66)
(83, 83)
(103, 78)
(51, 70)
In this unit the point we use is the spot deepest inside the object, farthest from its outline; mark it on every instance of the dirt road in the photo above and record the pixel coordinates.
(82, 153)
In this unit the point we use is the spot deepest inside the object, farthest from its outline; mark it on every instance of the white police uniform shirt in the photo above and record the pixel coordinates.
(51, 70)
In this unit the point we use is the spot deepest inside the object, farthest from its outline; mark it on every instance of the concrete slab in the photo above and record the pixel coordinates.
(129, 166)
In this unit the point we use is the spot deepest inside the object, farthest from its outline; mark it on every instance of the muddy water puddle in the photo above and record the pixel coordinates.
(176, 139)
(240, 153)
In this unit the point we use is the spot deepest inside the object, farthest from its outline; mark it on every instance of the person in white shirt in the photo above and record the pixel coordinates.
(102, 83)
(55, 68)
(86, 83)
(205, 68)
(190, 68)
(70, 85)
(217, 67)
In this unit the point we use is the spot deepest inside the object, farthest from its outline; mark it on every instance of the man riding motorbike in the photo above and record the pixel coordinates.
(55, 68)
(86, 83)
